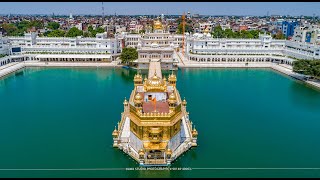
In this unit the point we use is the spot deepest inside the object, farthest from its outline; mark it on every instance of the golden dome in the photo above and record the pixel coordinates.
(172, 77)
(194, 132)
(115, 132)
(206, 31)
(172, 98)
(138, 98)
(157, 25)
(169, 152)
(125, 102)
(141, 152)
(137, 77)
(155, 83)
(184, 102)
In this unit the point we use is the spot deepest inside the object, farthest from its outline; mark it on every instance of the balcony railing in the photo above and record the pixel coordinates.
(156, 115)
(155, 161)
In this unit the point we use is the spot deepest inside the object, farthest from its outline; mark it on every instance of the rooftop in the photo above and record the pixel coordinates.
(161, 107)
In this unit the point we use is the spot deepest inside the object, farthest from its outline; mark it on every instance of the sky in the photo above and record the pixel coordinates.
(158, 8)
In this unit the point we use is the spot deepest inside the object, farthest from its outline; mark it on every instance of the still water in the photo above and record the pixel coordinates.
(57, 122)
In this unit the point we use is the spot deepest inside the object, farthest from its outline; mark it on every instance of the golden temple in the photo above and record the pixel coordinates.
(155, 128)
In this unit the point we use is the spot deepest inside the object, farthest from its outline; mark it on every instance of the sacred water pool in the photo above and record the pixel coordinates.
(61, 118)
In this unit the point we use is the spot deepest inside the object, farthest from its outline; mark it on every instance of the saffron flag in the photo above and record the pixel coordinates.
(154, 102)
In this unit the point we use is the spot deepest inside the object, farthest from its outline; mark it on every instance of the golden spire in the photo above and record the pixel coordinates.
(138, 98)
(115, 132)
(141, 152)
(172, 98)
(194, 132)
(184, 102)
(206, 31)
(172, 78)
(169, 151)
(155, 83)
(125, 102)
(137, 79)
(157, 25)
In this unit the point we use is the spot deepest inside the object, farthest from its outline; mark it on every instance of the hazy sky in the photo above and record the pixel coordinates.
(132, 8)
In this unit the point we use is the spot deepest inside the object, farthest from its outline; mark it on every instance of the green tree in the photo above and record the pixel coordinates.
(307, 67)
(74, 32)
(53, 25)
(279, 35)
(229, 33)
(86, 34)
(100, 30)
(218, 32)
(36, 23)
(255, 33)
(56, 33)
(187, 27)
(11, 29)
(90, 28)
(142, 31)
(128, 55)
(23, 25)
(92, 32)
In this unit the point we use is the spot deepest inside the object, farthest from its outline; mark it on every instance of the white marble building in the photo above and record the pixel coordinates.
(158, 45)
(204, 48)
(32, 45)
(4, 45)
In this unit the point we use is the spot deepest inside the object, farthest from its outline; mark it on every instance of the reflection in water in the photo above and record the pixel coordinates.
(19, 73)
(304, 95)
(163, 173)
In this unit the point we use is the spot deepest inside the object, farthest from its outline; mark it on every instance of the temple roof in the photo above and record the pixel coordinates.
(161, 107)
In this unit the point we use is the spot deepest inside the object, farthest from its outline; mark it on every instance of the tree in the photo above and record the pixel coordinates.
(128, 55)
(37, 24)
(86, 34)
(56, 33)
(74, 32)
(307, 67)
(23, 25)
(187, 28)
(280, 35)
(100, 30)
(218, 32)
(53, 25)
(90, 28)
(229, 33)
(92, 32)
(11, 29)
(142, 31)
